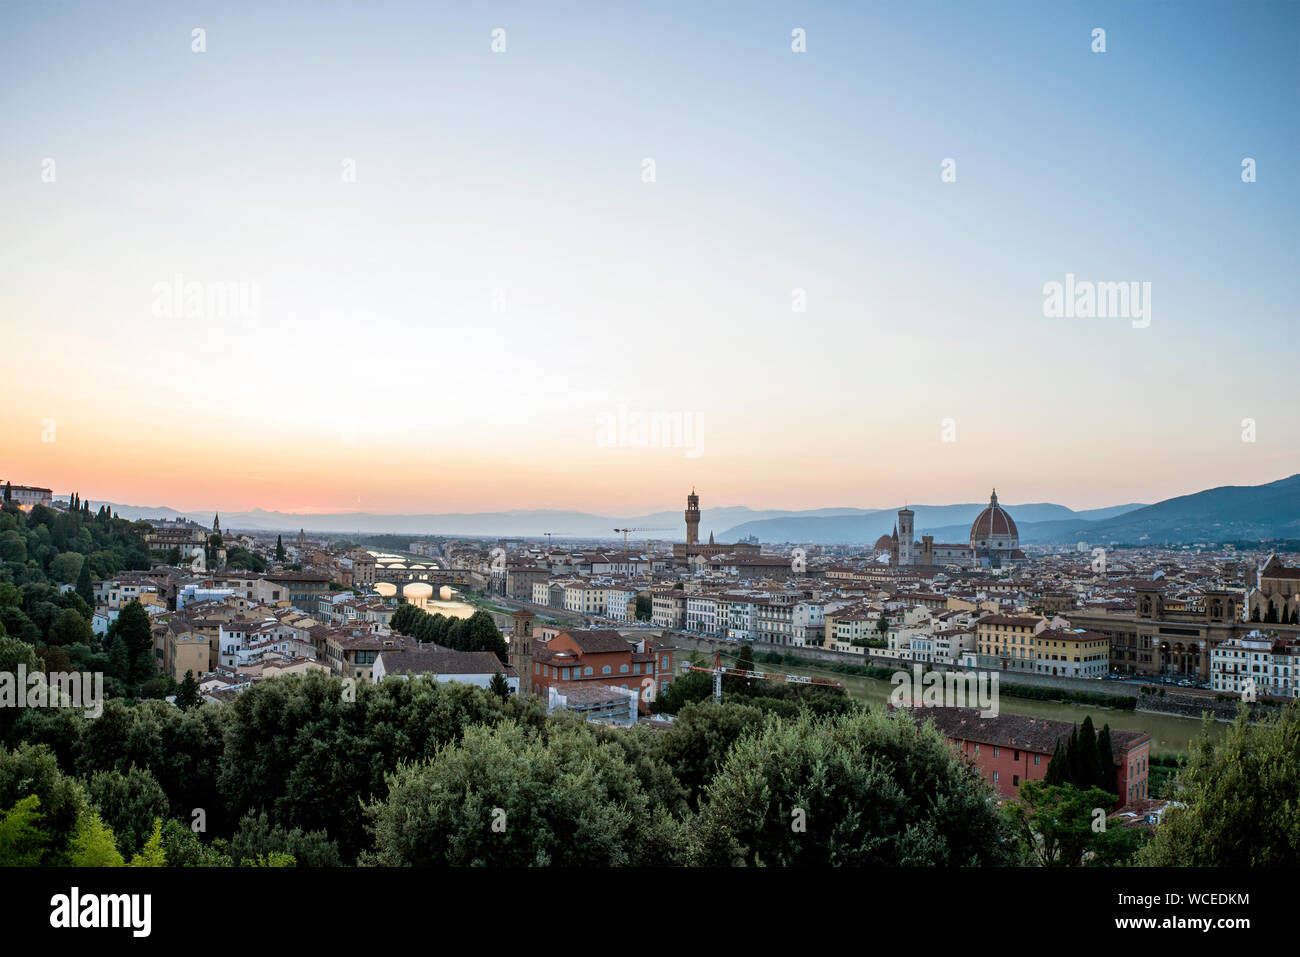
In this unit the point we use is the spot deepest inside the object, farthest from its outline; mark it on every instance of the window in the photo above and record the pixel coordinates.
(606, 670)
(1037, 758)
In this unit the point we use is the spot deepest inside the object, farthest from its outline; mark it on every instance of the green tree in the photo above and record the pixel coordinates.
(258, 838)
(1066, 826)
(181, 847)
(1240, 798)
(1089, 758)
(499, 686)
(66, 567)
(1056, 767)
(133, 627)
(509, 796)
(93, 844)
(86, 587)
(14, 653)
(732, 684)
(22, 842)
(119, 662)
(1109, 769)
(69, 628)
(35, 770)
(279, 549)
(701, 738)
(692, 686)
(151, 854)
(480, 633)
(187, 696)
(861, 788)
(128, 804)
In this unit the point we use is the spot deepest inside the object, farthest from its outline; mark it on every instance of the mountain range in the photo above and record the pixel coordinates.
(1227, 513)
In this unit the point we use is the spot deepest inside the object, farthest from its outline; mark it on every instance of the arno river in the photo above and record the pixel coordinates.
(1168, 732)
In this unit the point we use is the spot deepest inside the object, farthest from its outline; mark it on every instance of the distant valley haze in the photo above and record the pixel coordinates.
(1223, 513)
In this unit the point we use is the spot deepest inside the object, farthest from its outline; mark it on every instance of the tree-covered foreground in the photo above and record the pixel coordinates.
(418, 772)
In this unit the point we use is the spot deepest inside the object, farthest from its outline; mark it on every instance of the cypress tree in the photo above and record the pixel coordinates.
(1070, 773)
(1090, 766)
(85, 587)
(119, 661)
(1109, 772)
(1056, 767)
(188, 695)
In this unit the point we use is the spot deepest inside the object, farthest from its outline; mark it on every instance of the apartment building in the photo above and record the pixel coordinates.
(774, 620)
(1006, 642)
(1071, 653)
(621, 603)
(588, 598)
(701, 614)
(668, 608)
(522, 579)
(1265, 664)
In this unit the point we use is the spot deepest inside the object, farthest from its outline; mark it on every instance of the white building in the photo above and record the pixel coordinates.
(194, 592)
(1269, 666)
(444, 664)
(702, 614)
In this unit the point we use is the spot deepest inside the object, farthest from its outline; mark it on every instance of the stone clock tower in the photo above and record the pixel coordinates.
(692, 518)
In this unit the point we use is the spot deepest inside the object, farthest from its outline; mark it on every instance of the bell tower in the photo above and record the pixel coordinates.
(906, 537)
(521, 649)
(692, 518)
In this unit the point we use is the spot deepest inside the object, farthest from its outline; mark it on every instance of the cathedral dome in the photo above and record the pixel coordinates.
(883, 543)
(993, 523)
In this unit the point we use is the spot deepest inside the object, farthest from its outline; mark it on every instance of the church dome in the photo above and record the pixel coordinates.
(993, 523)
(883, 543)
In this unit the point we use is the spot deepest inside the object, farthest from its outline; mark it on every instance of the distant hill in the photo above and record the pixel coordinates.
(1220, 514)
(947, 523)
(1228, 513)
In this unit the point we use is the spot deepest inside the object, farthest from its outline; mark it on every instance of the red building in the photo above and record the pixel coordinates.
(603, 657)
(1011, 749)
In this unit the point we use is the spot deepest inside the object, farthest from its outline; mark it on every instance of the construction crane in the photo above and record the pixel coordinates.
(718, 671)
(548, 538)
(626, 530)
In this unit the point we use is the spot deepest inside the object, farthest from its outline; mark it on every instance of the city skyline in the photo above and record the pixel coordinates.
(453, 328)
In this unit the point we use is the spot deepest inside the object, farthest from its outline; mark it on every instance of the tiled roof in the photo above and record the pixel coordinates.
(1016, 731)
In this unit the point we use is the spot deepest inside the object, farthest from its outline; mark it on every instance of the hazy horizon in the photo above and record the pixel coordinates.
(641, 510)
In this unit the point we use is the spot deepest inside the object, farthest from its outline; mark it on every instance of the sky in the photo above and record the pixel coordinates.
(469, 275)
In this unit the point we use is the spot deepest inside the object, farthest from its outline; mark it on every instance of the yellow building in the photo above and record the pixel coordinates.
(185, 650)
(1072, 653)
(1006, 642)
